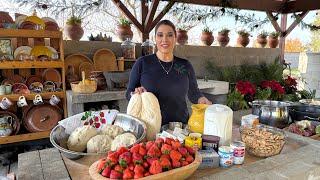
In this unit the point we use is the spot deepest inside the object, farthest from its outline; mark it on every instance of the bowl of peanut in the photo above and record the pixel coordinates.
(262, 140)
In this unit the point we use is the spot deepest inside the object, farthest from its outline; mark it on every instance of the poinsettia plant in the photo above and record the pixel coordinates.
(247, 89)
(290, 85)
(277, 90)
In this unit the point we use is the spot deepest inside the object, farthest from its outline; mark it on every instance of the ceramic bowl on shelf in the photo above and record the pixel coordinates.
(20, 88)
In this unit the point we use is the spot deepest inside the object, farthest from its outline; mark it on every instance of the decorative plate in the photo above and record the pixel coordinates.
(54, 52)
(33, 78)
(20, 19)
(48, 19)
(36, 87)
(20, 88)
(27, 25)
(53, 75)
(25, 50)
(105, 60)
(51, 26)
(17, 78)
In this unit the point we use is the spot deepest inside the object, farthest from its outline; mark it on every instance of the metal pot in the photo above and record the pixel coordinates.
(304, 112)
(272, 113)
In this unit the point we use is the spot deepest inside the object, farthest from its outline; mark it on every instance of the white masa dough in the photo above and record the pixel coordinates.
(123, 140)
(112, 130)
(99, 144)
(79, 138)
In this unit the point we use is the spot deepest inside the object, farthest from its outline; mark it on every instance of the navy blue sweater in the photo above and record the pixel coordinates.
(171, 89)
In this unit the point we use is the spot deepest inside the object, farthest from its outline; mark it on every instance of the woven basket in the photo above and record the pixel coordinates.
(78, 87)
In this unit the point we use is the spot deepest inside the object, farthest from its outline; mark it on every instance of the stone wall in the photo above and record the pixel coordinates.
(292, 58)
(197, 55)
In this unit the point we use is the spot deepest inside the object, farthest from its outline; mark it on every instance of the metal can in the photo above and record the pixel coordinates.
(226, 156)
(238, 151)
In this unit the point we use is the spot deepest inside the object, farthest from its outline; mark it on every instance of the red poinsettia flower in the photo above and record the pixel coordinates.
(246, 88)
(274, 85)
(290, 84)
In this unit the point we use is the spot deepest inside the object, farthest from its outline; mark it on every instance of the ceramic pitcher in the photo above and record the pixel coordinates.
(196, 119)
(5, 126)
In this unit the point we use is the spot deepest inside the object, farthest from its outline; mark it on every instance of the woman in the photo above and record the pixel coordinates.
(168, 77)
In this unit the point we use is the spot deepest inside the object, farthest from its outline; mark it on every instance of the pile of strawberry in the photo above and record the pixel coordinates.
(145, 159)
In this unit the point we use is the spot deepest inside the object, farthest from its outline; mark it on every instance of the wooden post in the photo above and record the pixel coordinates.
(282, 42)
(144, 12)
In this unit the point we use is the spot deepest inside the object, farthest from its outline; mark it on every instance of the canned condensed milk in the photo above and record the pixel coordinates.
(226, 156)
(238, 151)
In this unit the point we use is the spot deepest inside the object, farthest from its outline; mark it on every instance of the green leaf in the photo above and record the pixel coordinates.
(83, 118)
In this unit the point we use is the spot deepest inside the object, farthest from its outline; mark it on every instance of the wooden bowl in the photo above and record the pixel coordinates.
(84, 88)
(174, 174)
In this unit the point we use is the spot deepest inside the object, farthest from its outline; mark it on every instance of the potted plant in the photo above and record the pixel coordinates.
(207, 37)
(182, 35)
(223, 37)
(262, 39)
(73, 29)
(124, 29)
(243, 38)
(273, 40)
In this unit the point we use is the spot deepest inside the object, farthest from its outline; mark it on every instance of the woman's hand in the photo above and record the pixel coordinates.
(139, 90)
(204, 100)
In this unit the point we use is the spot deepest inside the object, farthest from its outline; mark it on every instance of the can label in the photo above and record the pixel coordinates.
(238, 152)
(226, 156)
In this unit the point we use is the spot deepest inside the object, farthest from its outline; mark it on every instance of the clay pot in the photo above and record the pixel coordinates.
(223, 39)
(207, 38)
(243, 40)
(182, 37)
(71, 76)
(273, 42)
(101, 80)
(124, 32)
(262, 41)
(73, 32)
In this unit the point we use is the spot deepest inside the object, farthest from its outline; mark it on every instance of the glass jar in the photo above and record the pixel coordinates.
(128, 49)
(147, 47)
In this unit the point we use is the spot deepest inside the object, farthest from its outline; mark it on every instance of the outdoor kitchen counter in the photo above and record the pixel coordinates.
(300, 159)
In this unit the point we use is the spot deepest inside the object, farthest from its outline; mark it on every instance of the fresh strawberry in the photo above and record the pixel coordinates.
(150, 160)
(106, 172)
(135, 148)
(176, 164)
(183, 151)
(145, 164)
(142, 151)
(125, 159)
(118, 168)
(101, 165)
(138, 169)
(147, 174)
(122, 150)
(137, 158)
(131, 166)
(165, 156)
(165, 149)
(154, 151)
(112, 158)
(138, 175)
(175, 155)
(190, 150)
(184, 163)
(142, 144)
(101, 114)
(115, 174)
(127, 174)
(155, 167)
(159, 142)
(165, 164)
(189, 158)
(96, 119)
(168, 141)
(175, 144)
(149, 144)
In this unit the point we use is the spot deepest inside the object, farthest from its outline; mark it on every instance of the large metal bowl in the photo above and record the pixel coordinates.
(59, 138)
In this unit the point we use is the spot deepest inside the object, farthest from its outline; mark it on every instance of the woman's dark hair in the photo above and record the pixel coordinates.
(168, 23)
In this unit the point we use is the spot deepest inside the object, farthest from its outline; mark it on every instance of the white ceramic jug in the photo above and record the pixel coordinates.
(218, 122)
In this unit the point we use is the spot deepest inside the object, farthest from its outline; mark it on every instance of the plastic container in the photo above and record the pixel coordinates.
(128, 49)
(147, 48)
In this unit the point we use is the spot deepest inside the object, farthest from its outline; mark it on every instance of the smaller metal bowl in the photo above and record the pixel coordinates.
(59, 138)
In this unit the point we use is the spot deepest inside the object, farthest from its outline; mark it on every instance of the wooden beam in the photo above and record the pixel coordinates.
(273, 21)
(301, 6)
(128, 14)
(282, 42)
(160, 15)
(144, 12)
(151, 13)
(295, 23)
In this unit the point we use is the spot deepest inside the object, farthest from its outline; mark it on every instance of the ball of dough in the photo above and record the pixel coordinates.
(99, 144)
(112, 130)
(123, 140)
(79, 137)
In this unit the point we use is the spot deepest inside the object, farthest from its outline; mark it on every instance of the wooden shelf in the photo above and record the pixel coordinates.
(30, 64)
(45, 95)
(13, 33)
(24, 137)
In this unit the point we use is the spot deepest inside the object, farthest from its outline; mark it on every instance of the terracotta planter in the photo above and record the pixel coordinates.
(74, 32)
(273, 42)
(207, 38)
(182, 37)
(243, 40)
(262, 41)
(124, 32)
(223, 39)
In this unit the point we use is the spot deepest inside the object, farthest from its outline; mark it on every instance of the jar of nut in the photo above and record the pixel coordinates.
(128, 49)
(147, 48)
